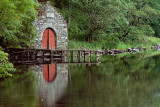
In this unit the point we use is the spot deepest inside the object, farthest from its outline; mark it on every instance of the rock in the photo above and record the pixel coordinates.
(129, 50)
(158, 46)
(154, 47)
(109, 52)
(106, 52)
(144, 48)
(135, 50)
(116, 51)
(132, 50)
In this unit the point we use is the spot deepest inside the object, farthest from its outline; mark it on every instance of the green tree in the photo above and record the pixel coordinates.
(138, 16)
(16, 22)
(5, 66)
(92, 16)
(16, 28)
(127, 21)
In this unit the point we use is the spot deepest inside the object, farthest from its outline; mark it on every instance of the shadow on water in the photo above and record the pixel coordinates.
(119, 81)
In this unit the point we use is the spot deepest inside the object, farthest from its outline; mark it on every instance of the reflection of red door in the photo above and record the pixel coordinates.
(48, 39)
(49, 72)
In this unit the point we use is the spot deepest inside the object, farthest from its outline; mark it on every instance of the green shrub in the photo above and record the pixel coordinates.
(5, 66)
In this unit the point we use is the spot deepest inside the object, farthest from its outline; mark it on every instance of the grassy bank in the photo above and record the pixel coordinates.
(74, 44)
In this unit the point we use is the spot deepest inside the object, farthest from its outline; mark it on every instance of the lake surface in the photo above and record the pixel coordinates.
(119, 81)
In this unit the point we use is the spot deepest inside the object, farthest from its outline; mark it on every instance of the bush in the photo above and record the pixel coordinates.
(5, 65)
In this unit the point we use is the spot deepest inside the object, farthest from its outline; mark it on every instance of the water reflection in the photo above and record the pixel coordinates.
(52, 83)
(49, 72)
(20, 90)
(128, 81)
(119, 81)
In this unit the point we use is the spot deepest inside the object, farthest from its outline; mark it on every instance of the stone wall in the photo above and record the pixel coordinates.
(48, 17)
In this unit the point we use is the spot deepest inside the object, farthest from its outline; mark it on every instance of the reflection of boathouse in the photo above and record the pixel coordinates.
(49, 72)
(51, 27)
(52, 82)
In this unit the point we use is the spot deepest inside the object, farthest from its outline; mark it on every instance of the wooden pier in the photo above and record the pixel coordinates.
(40, 56)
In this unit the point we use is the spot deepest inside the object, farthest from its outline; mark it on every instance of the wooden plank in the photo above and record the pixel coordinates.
(34, 63)
(79, 56)
(84, 56)
(97, 54)
(23, 49)
(90, 56)
(71, 52)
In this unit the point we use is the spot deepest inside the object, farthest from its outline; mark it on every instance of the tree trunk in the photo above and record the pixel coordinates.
(124, 36)
(89, 38)
(69, 17)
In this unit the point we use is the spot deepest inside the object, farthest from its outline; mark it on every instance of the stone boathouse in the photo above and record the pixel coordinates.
(52, 28)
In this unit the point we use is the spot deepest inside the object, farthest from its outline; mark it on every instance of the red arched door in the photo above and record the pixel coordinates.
(48, 39)
(49, 72)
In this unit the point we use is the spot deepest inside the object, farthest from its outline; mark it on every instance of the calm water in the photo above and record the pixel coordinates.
(119, 81)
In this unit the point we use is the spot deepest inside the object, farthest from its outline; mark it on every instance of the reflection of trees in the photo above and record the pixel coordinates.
(19, 90)
(115, 84)
(22, 90)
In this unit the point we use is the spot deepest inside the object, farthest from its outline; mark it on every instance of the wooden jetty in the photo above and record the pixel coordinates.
(58, 56)
(47, 56)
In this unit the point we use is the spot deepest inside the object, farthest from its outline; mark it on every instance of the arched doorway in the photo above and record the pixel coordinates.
(48, 39)
(49, 72)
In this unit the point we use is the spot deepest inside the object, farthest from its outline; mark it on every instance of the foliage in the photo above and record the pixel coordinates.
(16, 22)
(115, 22)
(139, 16)
(5, 66)
(75, 44)
(16, 28)
(93, 17)
(85, 45)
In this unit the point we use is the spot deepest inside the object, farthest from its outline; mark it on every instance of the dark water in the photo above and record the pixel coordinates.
(119, 81)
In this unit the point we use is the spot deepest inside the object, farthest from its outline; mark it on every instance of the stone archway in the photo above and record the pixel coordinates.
(49, 39)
